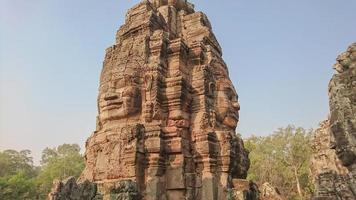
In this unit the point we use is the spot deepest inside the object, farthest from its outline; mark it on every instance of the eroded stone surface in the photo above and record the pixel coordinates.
(167, 110)
(332, 180)
(70, 190)
(125, 190)
(244, 190)
(342, 93)
(268, 192)
(326, 168)
(324, 158)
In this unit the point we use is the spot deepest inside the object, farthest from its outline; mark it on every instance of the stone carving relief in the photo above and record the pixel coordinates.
(227, 105)
(334, 184)
(343, 107)
(119, 94)
(167, 110)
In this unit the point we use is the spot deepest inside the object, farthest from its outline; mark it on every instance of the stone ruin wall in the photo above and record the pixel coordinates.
(167, 110)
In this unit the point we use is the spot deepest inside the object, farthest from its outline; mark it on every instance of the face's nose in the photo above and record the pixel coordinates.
(110, 96)
(236, 105)
(332, 145)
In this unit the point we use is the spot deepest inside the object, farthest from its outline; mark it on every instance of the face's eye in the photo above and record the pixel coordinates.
(104, 88)
(128, 92)
(230, 94)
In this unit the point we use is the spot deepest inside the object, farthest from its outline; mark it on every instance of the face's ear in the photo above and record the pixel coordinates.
(212, 89)
(332, 142)
(148, 79)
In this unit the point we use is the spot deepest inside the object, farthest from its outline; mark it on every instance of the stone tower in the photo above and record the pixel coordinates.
(167, 110)
(337, 177)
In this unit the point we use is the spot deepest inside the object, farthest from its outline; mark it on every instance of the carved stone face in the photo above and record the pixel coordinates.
(342, 105)
(227, 105)
(343, 145)
(352, 50)
(119, 98)
(346, 59)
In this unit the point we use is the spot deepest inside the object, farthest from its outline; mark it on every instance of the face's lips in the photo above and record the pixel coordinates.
(338, 152)
(233, 115)
(112, 105)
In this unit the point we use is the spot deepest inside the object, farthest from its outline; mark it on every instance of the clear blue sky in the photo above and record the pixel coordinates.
(280, 55)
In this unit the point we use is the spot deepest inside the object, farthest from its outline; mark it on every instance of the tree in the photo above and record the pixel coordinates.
(12, 161)
(59, 163)
(18, 187)
(21, 180)
(282, 159)
(17, 175)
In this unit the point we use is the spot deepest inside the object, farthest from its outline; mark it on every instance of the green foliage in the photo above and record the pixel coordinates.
(282, 159)
(59, 163)
(17, 175)
(21, 180)
(11, 162)
(18, 187)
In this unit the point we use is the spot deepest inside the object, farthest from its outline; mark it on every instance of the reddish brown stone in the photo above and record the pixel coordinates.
(167, 110)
